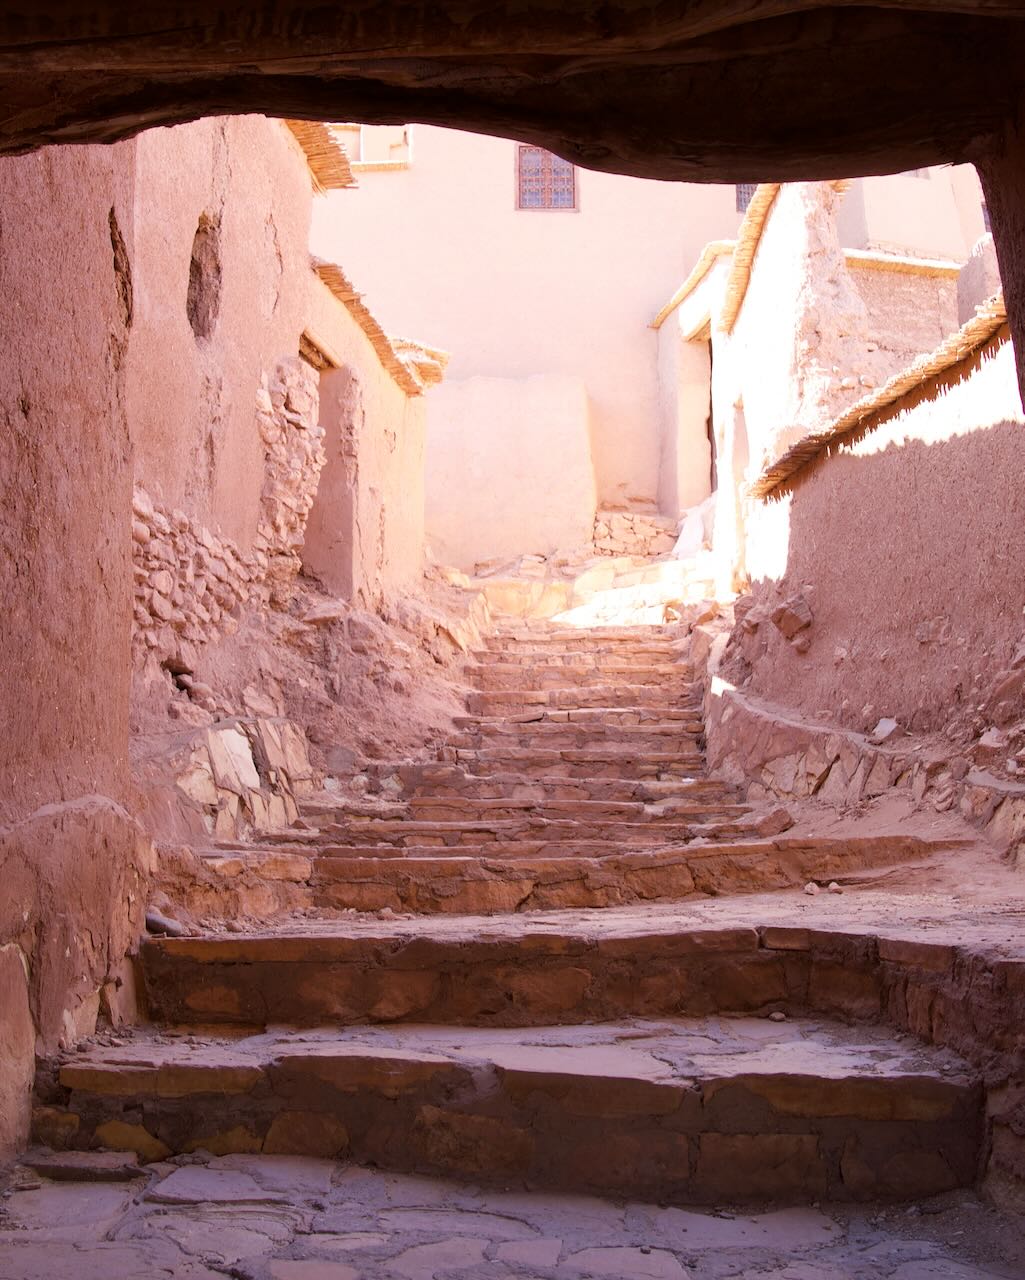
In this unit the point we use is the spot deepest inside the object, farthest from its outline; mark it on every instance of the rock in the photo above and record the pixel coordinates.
(792, 616)
(992, 745)
(197, 1185)
(619, 1261)
(772, 822)
(118, 1134)
(811, 888)
(157, 922)
(885, 729)
(327, 612)
(86, 1166)
(232, 760)
(833, 887)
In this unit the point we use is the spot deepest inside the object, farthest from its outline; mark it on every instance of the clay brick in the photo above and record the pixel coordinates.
(884, 1098)
(933, 956)
(471, 1144)
(382, 1074)
(784, 938)
(606, 1097)
(306, 1133)
(756, 1166)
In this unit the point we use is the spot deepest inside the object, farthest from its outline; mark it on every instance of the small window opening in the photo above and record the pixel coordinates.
(544, 180)
(745, 191)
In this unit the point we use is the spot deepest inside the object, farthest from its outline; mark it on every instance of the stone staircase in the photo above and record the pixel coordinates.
(576, 779)
(489, 1023)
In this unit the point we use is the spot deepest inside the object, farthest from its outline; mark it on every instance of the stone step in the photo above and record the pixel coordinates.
(502, 878)
(620, 695)
(476, 809)
(623, 716)
(679, 1110)
(443, 780)
(550, 967)
(399, 831)
(506, 851)
(521, 638)
(611, 657)
(583, 762)
(560, 676)
(681, 736)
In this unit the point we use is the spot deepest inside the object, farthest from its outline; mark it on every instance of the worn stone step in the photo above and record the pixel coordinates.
(613, 657)
(545, 967)
(684, 728)
(561, 676)
(477, 809)
(676, 1110)
(618, 695)
(442, 780)
(506, 850)
(590, 716)
(522, 638)
(680, 737)
(483, 831)
(582, 762)
(526, 877)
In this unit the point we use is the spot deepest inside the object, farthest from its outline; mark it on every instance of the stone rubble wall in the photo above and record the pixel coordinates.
(633, 533)
(190, 584)
(287, 419)
(784, 757)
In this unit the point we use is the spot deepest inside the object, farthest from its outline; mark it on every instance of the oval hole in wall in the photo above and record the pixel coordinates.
(204, 297)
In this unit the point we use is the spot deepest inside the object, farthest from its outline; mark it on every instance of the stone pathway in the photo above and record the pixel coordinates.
(280, 1218)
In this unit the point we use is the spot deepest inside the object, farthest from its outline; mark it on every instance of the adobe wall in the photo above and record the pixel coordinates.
(225, 418)
(71, 860)
(365, 534)
(161, 429)
(508, 469)
(907, 548)
(570, 293)
(812, 336)
(933, 212)
(191, 396)
(909, 312)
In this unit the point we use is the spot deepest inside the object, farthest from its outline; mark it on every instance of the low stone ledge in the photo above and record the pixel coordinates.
(780, 756)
